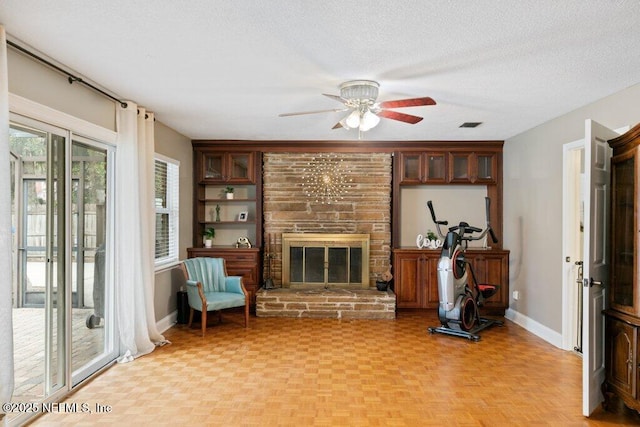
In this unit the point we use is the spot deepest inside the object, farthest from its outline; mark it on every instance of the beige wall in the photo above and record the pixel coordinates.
(533, 203)
(178, 147)
(41, 84)
(36, 82)
(450, 203)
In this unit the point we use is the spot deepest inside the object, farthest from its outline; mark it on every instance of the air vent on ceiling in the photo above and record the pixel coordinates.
(470, 124)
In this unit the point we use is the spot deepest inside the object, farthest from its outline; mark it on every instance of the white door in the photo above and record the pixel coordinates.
(596, 267)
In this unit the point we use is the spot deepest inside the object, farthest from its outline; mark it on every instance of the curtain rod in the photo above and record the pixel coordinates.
(70, 77)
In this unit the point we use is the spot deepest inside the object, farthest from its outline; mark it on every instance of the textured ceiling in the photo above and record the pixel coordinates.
(226, 69)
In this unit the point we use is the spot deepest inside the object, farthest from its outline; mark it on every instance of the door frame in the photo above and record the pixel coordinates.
(569, 293)
(569, 310)
(571, 182)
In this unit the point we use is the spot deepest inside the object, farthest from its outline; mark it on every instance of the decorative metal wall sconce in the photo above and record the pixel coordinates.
(326, 179)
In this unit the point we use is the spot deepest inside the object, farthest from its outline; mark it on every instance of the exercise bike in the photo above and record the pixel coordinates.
(459, 300)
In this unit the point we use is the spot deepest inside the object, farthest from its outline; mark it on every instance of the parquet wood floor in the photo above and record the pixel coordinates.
(328, 372)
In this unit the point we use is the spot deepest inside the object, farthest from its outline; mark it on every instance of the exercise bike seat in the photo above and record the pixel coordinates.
(487, 290)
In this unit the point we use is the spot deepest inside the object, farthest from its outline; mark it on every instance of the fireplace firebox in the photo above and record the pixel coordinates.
(325, 260)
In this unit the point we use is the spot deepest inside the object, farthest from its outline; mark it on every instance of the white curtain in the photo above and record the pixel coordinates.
(6, 327)
(135, 233)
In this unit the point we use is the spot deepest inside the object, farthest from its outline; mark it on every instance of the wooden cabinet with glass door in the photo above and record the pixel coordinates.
(622, 318)
(225, 167)
(472, 167)
(423, 167)
(623, 290)
(443, 167)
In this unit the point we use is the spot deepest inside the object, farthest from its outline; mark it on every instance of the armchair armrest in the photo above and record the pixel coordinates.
(195, 295)
(234, 285)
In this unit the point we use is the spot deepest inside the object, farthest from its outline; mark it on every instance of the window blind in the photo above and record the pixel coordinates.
(166, 204)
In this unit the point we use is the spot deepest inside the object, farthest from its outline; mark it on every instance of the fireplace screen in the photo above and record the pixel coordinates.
(325, 260)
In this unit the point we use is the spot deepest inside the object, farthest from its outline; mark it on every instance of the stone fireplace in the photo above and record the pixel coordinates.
(306, 287)
(325, 260)
(365, 209)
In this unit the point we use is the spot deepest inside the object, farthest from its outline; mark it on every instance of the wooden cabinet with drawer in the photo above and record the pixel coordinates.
(416, 277)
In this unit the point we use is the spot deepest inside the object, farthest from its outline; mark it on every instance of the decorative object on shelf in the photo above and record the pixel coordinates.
(217, 213)
(325, 179)
(242, 216)
(228, 191)
(243, 242)
(209, 235)
(427, 242)
(385, 280)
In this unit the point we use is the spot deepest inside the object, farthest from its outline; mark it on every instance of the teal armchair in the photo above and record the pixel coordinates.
(210, 289)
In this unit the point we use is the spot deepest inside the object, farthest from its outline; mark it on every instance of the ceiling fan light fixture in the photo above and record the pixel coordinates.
(368, 121)
(360, 91)
(353, 120)
(359, 97)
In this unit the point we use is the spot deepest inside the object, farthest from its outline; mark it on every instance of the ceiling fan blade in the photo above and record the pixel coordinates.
(413, 102)
(337, 126)
(336, 97)
(333, 110)
(401, 117)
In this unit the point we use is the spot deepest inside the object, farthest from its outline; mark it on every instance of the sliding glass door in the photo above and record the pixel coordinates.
(39, 234)
(62, 293)
(92, 314)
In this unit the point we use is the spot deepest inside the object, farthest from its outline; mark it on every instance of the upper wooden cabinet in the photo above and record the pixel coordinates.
(472, 168)
(225, 167)
(423, 168)
(444, 167)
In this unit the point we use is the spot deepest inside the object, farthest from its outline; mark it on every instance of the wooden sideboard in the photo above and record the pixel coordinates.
(416, 277)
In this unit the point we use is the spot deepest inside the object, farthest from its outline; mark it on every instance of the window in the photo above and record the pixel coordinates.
(166, 197)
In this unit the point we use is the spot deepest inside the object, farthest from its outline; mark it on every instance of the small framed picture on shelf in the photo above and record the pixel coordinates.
(242, 216)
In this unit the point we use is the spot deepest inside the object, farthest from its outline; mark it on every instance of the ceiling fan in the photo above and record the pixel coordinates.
(359, 97)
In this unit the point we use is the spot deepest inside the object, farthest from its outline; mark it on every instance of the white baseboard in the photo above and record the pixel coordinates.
(167, 322)
(538, 329)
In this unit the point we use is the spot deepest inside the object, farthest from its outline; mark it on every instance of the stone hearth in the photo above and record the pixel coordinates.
(326, 303)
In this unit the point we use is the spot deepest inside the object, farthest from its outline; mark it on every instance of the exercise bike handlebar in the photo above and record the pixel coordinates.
(464, 227)
(433, 216)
